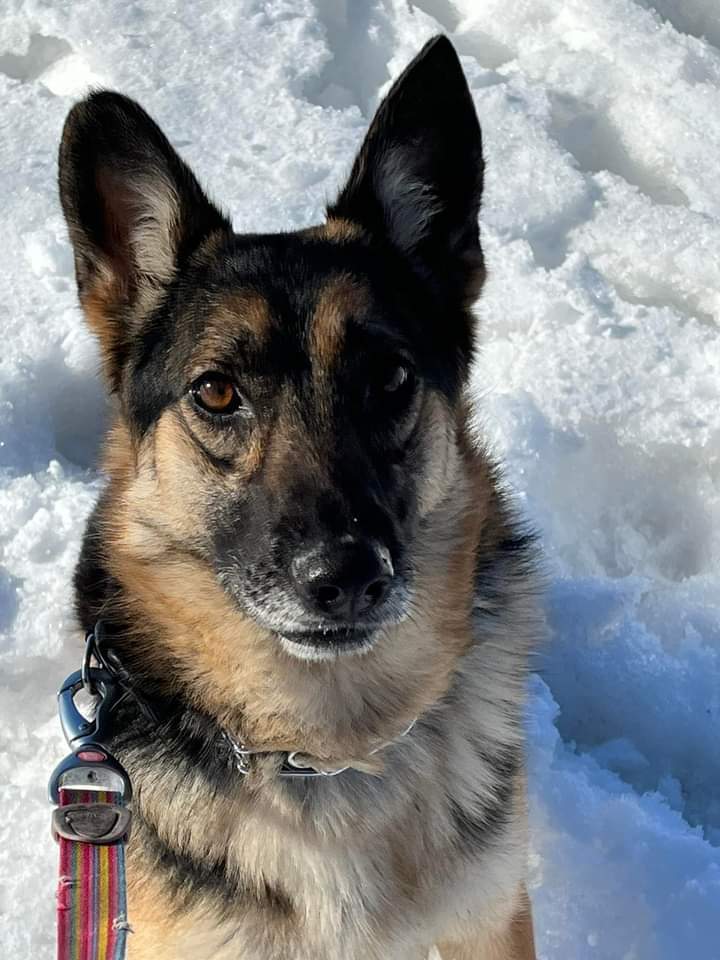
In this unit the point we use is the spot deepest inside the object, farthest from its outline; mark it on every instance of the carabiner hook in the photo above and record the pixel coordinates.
(77, 728)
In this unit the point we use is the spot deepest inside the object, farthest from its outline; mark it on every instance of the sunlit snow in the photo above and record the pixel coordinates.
(598, 384)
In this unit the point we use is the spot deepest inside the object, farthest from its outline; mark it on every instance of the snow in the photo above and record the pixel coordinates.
(598, 383)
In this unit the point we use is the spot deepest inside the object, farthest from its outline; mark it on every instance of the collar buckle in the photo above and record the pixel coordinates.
(291, 767)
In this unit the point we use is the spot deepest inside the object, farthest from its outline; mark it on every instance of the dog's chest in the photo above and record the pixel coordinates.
(359, 904)
(296, 902)
(362, 873)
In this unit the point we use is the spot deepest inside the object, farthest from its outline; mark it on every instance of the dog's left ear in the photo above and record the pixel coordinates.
(417, 181)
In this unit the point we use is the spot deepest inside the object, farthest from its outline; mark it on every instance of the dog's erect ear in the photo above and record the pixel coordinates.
(417, 181)
(134, 211)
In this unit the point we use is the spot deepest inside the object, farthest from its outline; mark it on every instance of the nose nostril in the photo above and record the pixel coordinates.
(374, 592)
(328, 594)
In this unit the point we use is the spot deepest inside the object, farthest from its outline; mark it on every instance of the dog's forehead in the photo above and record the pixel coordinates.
(287, 302)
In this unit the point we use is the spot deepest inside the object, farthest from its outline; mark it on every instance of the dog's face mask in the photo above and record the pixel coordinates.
(288, 403)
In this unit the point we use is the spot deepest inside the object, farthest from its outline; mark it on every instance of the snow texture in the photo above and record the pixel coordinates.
(597, 383)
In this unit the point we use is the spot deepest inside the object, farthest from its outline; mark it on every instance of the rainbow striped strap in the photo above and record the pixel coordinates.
(92, 897)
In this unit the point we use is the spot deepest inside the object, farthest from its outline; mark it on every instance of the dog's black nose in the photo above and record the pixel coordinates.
(342, 579)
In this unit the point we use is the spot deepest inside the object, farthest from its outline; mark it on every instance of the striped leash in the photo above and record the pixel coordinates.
(91, 898)
(91, 823)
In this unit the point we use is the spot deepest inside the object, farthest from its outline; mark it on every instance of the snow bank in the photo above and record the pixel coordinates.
(597, 382)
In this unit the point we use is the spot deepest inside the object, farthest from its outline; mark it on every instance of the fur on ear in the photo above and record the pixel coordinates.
(134, 212)
(417, 180)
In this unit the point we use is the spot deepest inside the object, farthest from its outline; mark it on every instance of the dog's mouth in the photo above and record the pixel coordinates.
(329, 643)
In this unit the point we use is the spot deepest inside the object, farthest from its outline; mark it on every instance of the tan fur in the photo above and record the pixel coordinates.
(99, 302)
(336, 230)
(506, 931)
(242, 312)
(155, 227)
(211, 244)
(339, 298)
(512, 940)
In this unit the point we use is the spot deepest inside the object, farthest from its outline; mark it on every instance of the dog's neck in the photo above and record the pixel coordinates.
(153, 716)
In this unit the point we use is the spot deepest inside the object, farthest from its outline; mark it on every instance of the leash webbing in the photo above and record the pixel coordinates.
(91, 899)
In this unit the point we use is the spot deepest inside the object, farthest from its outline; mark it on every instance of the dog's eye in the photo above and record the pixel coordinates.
(215, 393)
(396, 378)
(392, 382)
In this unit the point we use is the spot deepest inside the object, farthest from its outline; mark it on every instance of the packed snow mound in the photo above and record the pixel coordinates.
(598, 384)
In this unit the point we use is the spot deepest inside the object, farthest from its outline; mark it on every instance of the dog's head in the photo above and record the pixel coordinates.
(288, 404)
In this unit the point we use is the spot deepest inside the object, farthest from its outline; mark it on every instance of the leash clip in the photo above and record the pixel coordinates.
(90, 766)
(78, 729)
(96, 823)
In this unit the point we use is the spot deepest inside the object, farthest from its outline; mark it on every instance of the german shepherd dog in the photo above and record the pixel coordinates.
(303, 558)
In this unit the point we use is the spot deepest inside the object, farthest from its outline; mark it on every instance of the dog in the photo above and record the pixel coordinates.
(303, 557)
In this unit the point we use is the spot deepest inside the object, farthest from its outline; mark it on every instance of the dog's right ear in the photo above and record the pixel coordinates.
(134, 212)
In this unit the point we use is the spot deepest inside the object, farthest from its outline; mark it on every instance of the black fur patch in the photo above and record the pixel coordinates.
(189, 878)
(513, 559)
(476, 829)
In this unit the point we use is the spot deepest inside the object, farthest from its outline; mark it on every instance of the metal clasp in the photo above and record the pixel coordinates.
(90, 766)
(96, 823)
(293, 768)
(77, 728)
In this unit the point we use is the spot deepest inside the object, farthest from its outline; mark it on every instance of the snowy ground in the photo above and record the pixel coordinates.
(599, 384)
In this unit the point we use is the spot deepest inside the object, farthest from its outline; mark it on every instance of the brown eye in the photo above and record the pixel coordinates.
(397, 378)
(394, 381)
(215, 393)
(390, 386)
